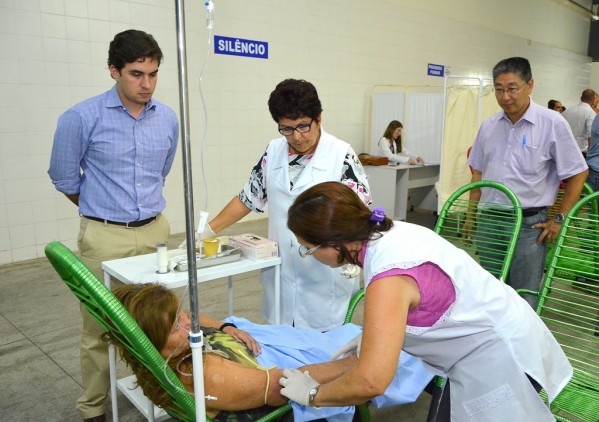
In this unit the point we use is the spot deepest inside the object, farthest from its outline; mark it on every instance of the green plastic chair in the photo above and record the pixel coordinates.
(362, 412)
(551, 211)
(497, 226)
(112, 316)
(569, 306)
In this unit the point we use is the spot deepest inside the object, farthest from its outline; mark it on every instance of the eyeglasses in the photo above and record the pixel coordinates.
(304, 252)
(301, 128)
(510, 91)
(177, 325)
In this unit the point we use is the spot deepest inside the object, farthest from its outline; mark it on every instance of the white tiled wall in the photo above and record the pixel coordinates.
(53, 55)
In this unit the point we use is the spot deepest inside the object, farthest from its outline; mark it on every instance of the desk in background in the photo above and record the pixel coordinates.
(389, 186)
(142, 269)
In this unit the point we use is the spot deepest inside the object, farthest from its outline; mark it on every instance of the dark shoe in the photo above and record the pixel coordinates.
(101, 418)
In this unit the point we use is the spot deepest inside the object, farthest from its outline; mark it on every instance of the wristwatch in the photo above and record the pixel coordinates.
(559, 217)
(312, 394)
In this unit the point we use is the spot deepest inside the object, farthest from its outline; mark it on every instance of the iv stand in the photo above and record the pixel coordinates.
(196, 337)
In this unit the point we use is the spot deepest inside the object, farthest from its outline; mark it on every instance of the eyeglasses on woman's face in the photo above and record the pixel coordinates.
(301, 128)
(304, 251)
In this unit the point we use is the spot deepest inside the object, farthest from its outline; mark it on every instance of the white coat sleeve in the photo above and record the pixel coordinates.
(385, 151)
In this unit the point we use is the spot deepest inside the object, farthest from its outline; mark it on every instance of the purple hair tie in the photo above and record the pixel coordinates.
(378, 215)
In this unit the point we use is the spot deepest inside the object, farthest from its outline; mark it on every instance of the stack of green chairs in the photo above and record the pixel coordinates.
(113, 317)
(569, 306)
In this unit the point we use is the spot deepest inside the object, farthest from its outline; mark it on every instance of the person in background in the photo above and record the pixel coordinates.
(593, 156)
(110, 157)
(580, 118)
(240, 364)
(433, 300)
(529, 149)
(312, 295)
(555, 105)
(390, 146)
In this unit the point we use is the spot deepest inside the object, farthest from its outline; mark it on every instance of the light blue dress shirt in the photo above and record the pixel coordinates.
(593, 154)
(115, 162)
(530, 157)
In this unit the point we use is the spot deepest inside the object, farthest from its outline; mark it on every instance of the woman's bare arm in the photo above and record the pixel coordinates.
(328, 371)
(237, 387)
(385, 314)
(234, 211)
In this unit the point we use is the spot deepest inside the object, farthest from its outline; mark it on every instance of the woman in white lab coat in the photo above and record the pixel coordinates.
(431, 299)
(390, 146)
(312, 295)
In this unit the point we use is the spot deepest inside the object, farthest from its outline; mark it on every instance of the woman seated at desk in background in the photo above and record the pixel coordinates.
(240, 366)
(391, 147)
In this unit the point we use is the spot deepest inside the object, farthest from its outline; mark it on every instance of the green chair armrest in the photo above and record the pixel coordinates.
(522, 292)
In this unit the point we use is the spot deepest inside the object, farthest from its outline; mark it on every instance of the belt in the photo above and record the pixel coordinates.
(529, 212)
(526, 212)
(138, 223)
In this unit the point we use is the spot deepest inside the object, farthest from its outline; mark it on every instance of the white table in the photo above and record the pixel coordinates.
(390, 186)
(142, 269)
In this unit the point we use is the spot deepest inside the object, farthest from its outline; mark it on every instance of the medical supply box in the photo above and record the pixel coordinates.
(254, 247)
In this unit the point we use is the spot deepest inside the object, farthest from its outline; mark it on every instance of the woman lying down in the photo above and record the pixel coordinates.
(242, 359)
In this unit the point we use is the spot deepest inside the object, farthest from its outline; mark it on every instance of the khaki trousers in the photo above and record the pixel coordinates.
(100, 242)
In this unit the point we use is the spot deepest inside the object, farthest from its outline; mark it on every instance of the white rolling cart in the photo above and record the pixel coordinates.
(142, 269)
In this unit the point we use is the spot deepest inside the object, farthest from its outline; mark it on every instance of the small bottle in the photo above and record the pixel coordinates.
(162, 258)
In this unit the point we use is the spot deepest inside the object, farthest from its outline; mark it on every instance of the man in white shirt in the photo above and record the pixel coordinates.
(580, 118)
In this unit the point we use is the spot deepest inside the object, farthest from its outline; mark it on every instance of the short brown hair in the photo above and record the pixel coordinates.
(332, 214)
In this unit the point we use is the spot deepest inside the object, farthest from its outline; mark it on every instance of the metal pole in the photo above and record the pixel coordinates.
(196, 336)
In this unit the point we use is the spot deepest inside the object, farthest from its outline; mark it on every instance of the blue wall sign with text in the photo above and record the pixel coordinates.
(436, 70)
(240, 47)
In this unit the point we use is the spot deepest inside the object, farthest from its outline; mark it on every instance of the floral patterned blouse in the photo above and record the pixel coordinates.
(353, 176)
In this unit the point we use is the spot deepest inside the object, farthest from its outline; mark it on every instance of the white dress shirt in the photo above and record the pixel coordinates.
(580, 118)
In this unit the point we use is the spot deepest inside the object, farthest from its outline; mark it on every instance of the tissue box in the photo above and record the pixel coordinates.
(254, 247)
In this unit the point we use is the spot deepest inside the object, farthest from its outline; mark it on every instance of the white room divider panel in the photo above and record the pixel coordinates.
(420, 109)
(424, 123)
(388, 103)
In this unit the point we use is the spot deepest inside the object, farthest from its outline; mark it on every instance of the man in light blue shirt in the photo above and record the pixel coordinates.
(529, 149)
(593, 156)
(110, 157)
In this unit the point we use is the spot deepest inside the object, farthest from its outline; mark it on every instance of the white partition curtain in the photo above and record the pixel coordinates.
(420, 109)
(468, 102)
(388, 103)
(424, 124)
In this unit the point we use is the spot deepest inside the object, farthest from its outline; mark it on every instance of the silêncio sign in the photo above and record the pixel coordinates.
(240, 47)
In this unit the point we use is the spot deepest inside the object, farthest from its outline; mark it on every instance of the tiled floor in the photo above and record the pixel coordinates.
(39, 338)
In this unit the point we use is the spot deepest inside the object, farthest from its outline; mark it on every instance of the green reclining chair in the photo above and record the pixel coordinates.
(113, 317)
(497, 226)
(569, 306)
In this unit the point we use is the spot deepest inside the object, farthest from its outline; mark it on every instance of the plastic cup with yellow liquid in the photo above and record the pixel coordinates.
(210, 246)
